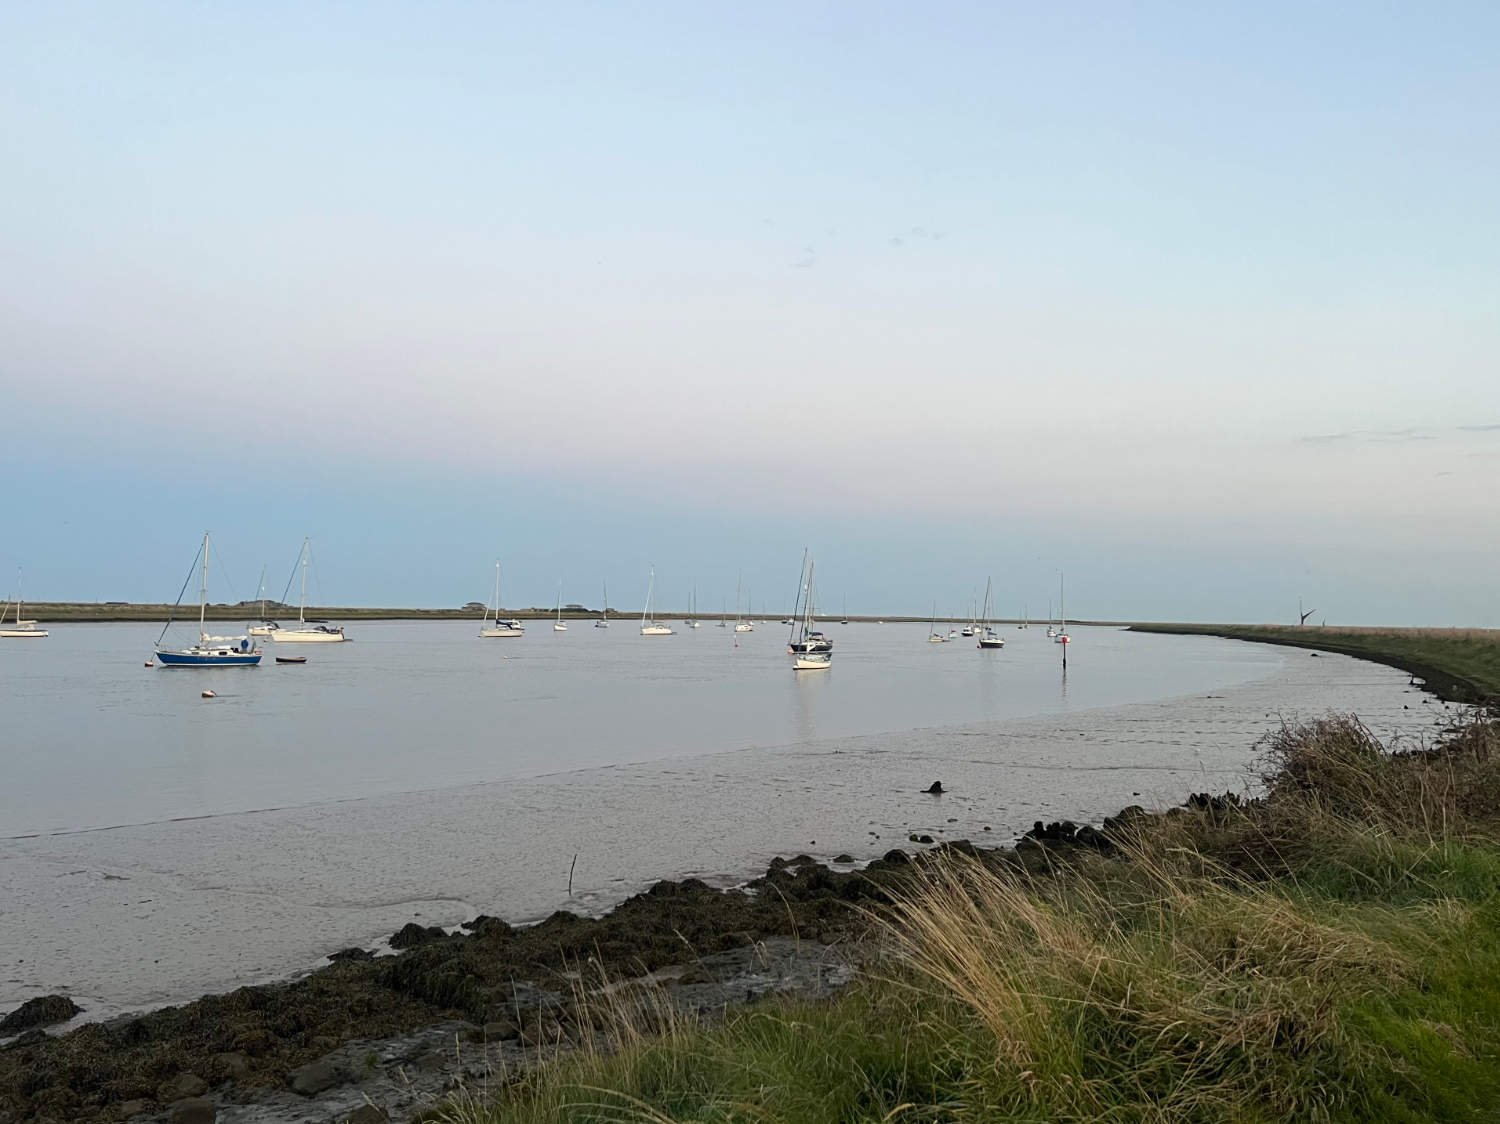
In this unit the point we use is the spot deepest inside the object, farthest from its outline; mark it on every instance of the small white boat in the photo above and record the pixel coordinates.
(649, 625)
(933, 635)
(1061, 636)
(557, 625)
(740, 623)
(985, 630)
(308, 632)
(692, 617)
(603, 621)
(491, 628)
(19, 629)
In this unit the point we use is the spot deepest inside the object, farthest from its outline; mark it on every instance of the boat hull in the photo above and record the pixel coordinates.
(496, 633)
(23, 633)
(656, 630)
(208, 659)
(306, 636)
(812, 661)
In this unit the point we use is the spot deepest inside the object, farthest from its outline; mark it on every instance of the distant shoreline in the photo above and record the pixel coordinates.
(98, 612)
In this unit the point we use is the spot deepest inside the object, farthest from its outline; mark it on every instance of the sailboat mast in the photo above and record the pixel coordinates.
(302, 607)
(203, 589)
(650, 587)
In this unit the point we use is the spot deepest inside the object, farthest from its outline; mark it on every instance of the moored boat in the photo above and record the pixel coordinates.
(210, 651)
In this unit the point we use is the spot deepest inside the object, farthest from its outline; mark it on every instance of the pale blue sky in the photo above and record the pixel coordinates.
(1200, 304)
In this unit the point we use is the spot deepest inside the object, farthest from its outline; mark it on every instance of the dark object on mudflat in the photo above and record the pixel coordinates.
(367, 1114)
(844, 858)
(895, 858)
(935, 789)
(41, 1011)
(411, 934)
(352, 954)
(291, 659)
(919, 838)
(486, 926)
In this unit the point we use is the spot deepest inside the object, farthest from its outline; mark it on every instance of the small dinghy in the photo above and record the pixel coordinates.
(291, 659)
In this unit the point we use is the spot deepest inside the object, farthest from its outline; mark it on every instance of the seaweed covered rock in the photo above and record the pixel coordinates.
(45, 1010)
(411, 934)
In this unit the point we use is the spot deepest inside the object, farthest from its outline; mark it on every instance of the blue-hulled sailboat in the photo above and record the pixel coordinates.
(210, 651)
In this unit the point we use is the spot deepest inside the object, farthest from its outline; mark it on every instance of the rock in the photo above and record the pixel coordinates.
(314, 1077)
(41, 1011)
(127, 1109)
(30, 1038)
(895, 857)
(501, 1030)
(354, 953)
(695, 975)
(234, 1066)
(193, 1110)
(914, 838)
(846, 858)
(411, 934)
(183, 1086)
(366, 1114)
(487, 926)
(934, 789)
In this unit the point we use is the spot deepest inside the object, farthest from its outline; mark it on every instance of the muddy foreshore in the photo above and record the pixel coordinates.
(369, 1022)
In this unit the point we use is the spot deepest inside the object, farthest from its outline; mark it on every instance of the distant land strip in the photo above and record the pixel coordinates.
(1457, 664)
(105, 611)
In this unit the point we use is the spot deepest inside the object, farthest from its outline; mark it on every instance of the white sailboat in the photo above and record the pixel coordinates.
(266, 626)
(305, 632)
(557, 625)
(740, 623)
(692, 617)
(19, 629)
(210, 651)
(933, 635)
(650, 626)
(603, 621)
(510, 627)
(809, 648)
(988, 637)
(1051, 625)
(1061, 637)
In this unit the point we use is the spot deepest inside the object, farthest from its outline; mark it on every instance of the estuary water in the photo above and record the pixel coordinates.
(155, 845)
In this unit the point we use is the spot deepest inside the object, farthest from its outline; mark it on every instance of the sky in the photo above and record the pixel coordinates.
(1197, 305)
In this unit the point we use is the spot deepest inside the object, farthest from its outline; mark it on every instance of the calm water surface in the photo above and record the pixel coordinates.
(94, 739)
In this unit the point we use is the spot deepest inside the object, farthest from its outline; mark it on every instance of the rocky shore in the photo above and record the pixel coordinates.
(374, 1037)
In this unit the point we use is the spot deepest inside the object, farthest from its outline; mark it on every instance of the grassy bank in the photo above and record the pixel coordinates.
(1328, 952)
(1461, 665)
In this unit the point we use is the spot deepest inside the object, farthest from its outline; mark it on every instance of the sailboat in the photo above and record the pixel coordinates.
(266, 626)
(1051, 627)
(723, 615)
(306, 633)
(210, 651)
(603, 621)
(557, 625)
(933, 635)
(1025, 618)
(692, 617)
(649, 625)
(740, 623)
(511, 627)
(810, 649)
(988, 637)
(1061, 636)
(19, 629)
(845, 619)
(973, 626)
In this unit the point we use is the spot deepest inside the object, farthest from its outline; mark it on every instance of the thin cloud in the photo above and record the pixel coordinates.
(1393, 436)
